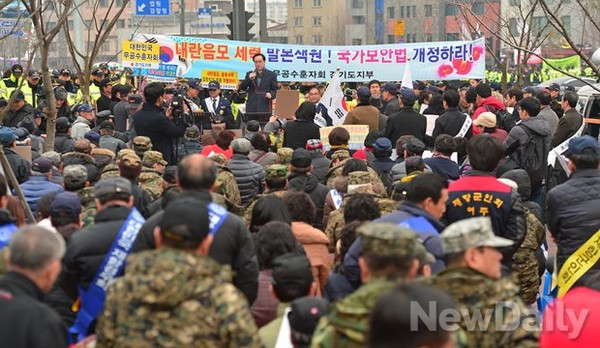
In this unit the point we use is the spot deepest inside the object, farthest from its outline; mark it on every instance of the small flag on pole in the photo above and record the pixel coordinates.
(333, 99)
(407, 81)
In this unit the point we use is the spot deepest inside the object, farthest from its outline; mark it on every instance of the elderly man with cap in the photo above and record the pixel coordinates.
(32, 89)
(75, 180)
(39, 183)
(192, 93)
(88, 247)
(208, 310)
(573, 216)
(220, 108)
(34, 256)
(103, 102)
(406, 121)
(473, 279)
(191, 143)
(300, 178)
(389, 94)
(414, 147)
(83, 123)
(150, 180)
(82, 155)
(134, 104)
(390, 253)
(319, 162)
(119, 107)
(382, 150)
(364, 113)
(9, 84)
(20, 113)
(275, 182)
(130, 168)
(107, 139)
(250, 176)
(141, 144)
(555, 105)
(18, 164)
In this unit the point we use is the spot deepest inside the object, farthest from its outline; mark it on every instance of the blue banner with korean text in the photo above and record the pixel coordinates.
(194, 57)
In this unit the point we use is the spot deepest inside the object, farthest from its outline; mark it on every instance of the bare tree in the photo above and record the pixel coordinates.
(96, 32)
(43, 38)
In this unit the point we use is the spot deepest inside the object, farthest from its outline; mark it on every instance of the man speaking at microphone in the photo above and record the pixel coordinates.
(261, 85)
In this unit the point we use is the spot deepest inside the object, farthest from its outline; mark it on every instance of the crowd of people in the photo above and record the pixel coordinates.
(151, 231)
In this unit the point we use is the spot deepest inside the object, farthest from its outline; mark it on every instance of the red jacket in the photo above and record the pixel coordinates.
(485, 105)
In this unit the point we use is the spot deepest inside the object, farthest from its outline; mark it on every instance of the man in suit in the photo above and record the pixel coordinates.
(220, 108)
(261, 85)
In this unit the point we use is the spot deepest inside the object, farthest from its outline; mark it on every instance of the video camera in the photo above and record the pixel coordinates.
(177, 102)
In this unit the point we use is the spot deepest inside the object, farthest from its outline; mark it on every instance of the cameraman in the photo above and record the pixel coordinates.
(152, 122)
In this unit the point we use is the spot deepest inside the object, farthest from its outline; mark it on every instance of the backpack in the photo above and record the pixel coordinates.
(504, 120)
(533, 157)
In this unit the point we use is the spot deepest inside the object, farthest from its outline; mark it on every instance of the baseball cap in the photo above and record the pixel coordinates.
(486, 119)
(21, 133)
(41, 165)
(383, 144)
(17, 69)
(7, 135)
(391, 88)
(301, 158)
(415, 146)
(62, 124)
(579, 145)
(529, 89)
(108, 124)
(112, 186)
(85, 108)
(185, 222)
(134, 101)
(471, 233)
(34, 74)
(274, 171)
(141, 144)
(292, 269)
(192, 132)
(387, 239)
(60, 93)
(314, 145)
(54, 157)
(284, 155)
(92, 136)
(253, 126)
(17, 94)
(104, 114)
(194, 83)
(152, 157)
(75, 174)
(306, 312)
(65, 72)
(420, 85)
(104, 83)
(553, 87)
(214, 85)
(408, 95)
(98, 72)
(66, 203)
(363, 93)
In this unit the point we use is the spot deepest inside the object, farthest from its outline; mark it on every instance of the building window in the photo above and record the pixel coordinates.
(120, 24)
(88, 23)
(316, 39)
(451, 10)
(118, 3)
(478, 8)
(407, 11)
(358, 4)
(358, 20)
(103, 3)
(566, 21)
(414, 10)
(391, 39)
(316, 3)
(391, 12)
(357, 42)
(429, 37)
(298, 39)
(401, 11)
(428, 11)
(537, 24)
(514, 2)
(297, 21)
(451, 36)
(297, 3)
(317, 21)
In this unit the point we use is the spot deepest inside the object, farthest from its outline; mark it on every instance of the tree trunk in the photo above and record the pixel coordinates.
(51, 101)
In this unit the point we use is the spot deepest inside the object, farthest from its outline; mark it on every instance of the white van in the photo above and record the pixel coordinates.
(589, 101)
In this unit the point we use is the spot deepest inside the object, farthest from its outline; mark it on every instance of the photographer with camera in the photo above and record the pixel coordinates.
(162, 128)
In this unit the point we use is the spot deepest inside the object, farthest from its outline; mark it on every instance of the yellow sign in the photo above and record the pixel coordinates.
(358, 133)
(227, 79)
(399, 28)
(140, 54)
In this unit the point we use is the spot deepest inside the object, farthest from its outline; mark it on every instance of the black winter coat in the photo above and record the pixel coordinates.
(232, 245)
(20, 167)
(298, 132)
(63, 143)
(406, 122)
(450, 122)
(25, 321)
(573, 215)
(150, 121)
(86, 249)
(317, 192)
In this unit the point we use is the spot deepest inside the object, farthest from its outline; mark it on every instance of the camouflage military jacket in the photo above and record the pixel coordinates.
(336, 222)
(110, 171)
(348, 322)
(525, 264)
(151, 181)
(476, 294)
(337, 171)
(227, 186)
(173, 298)
(86, 195)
